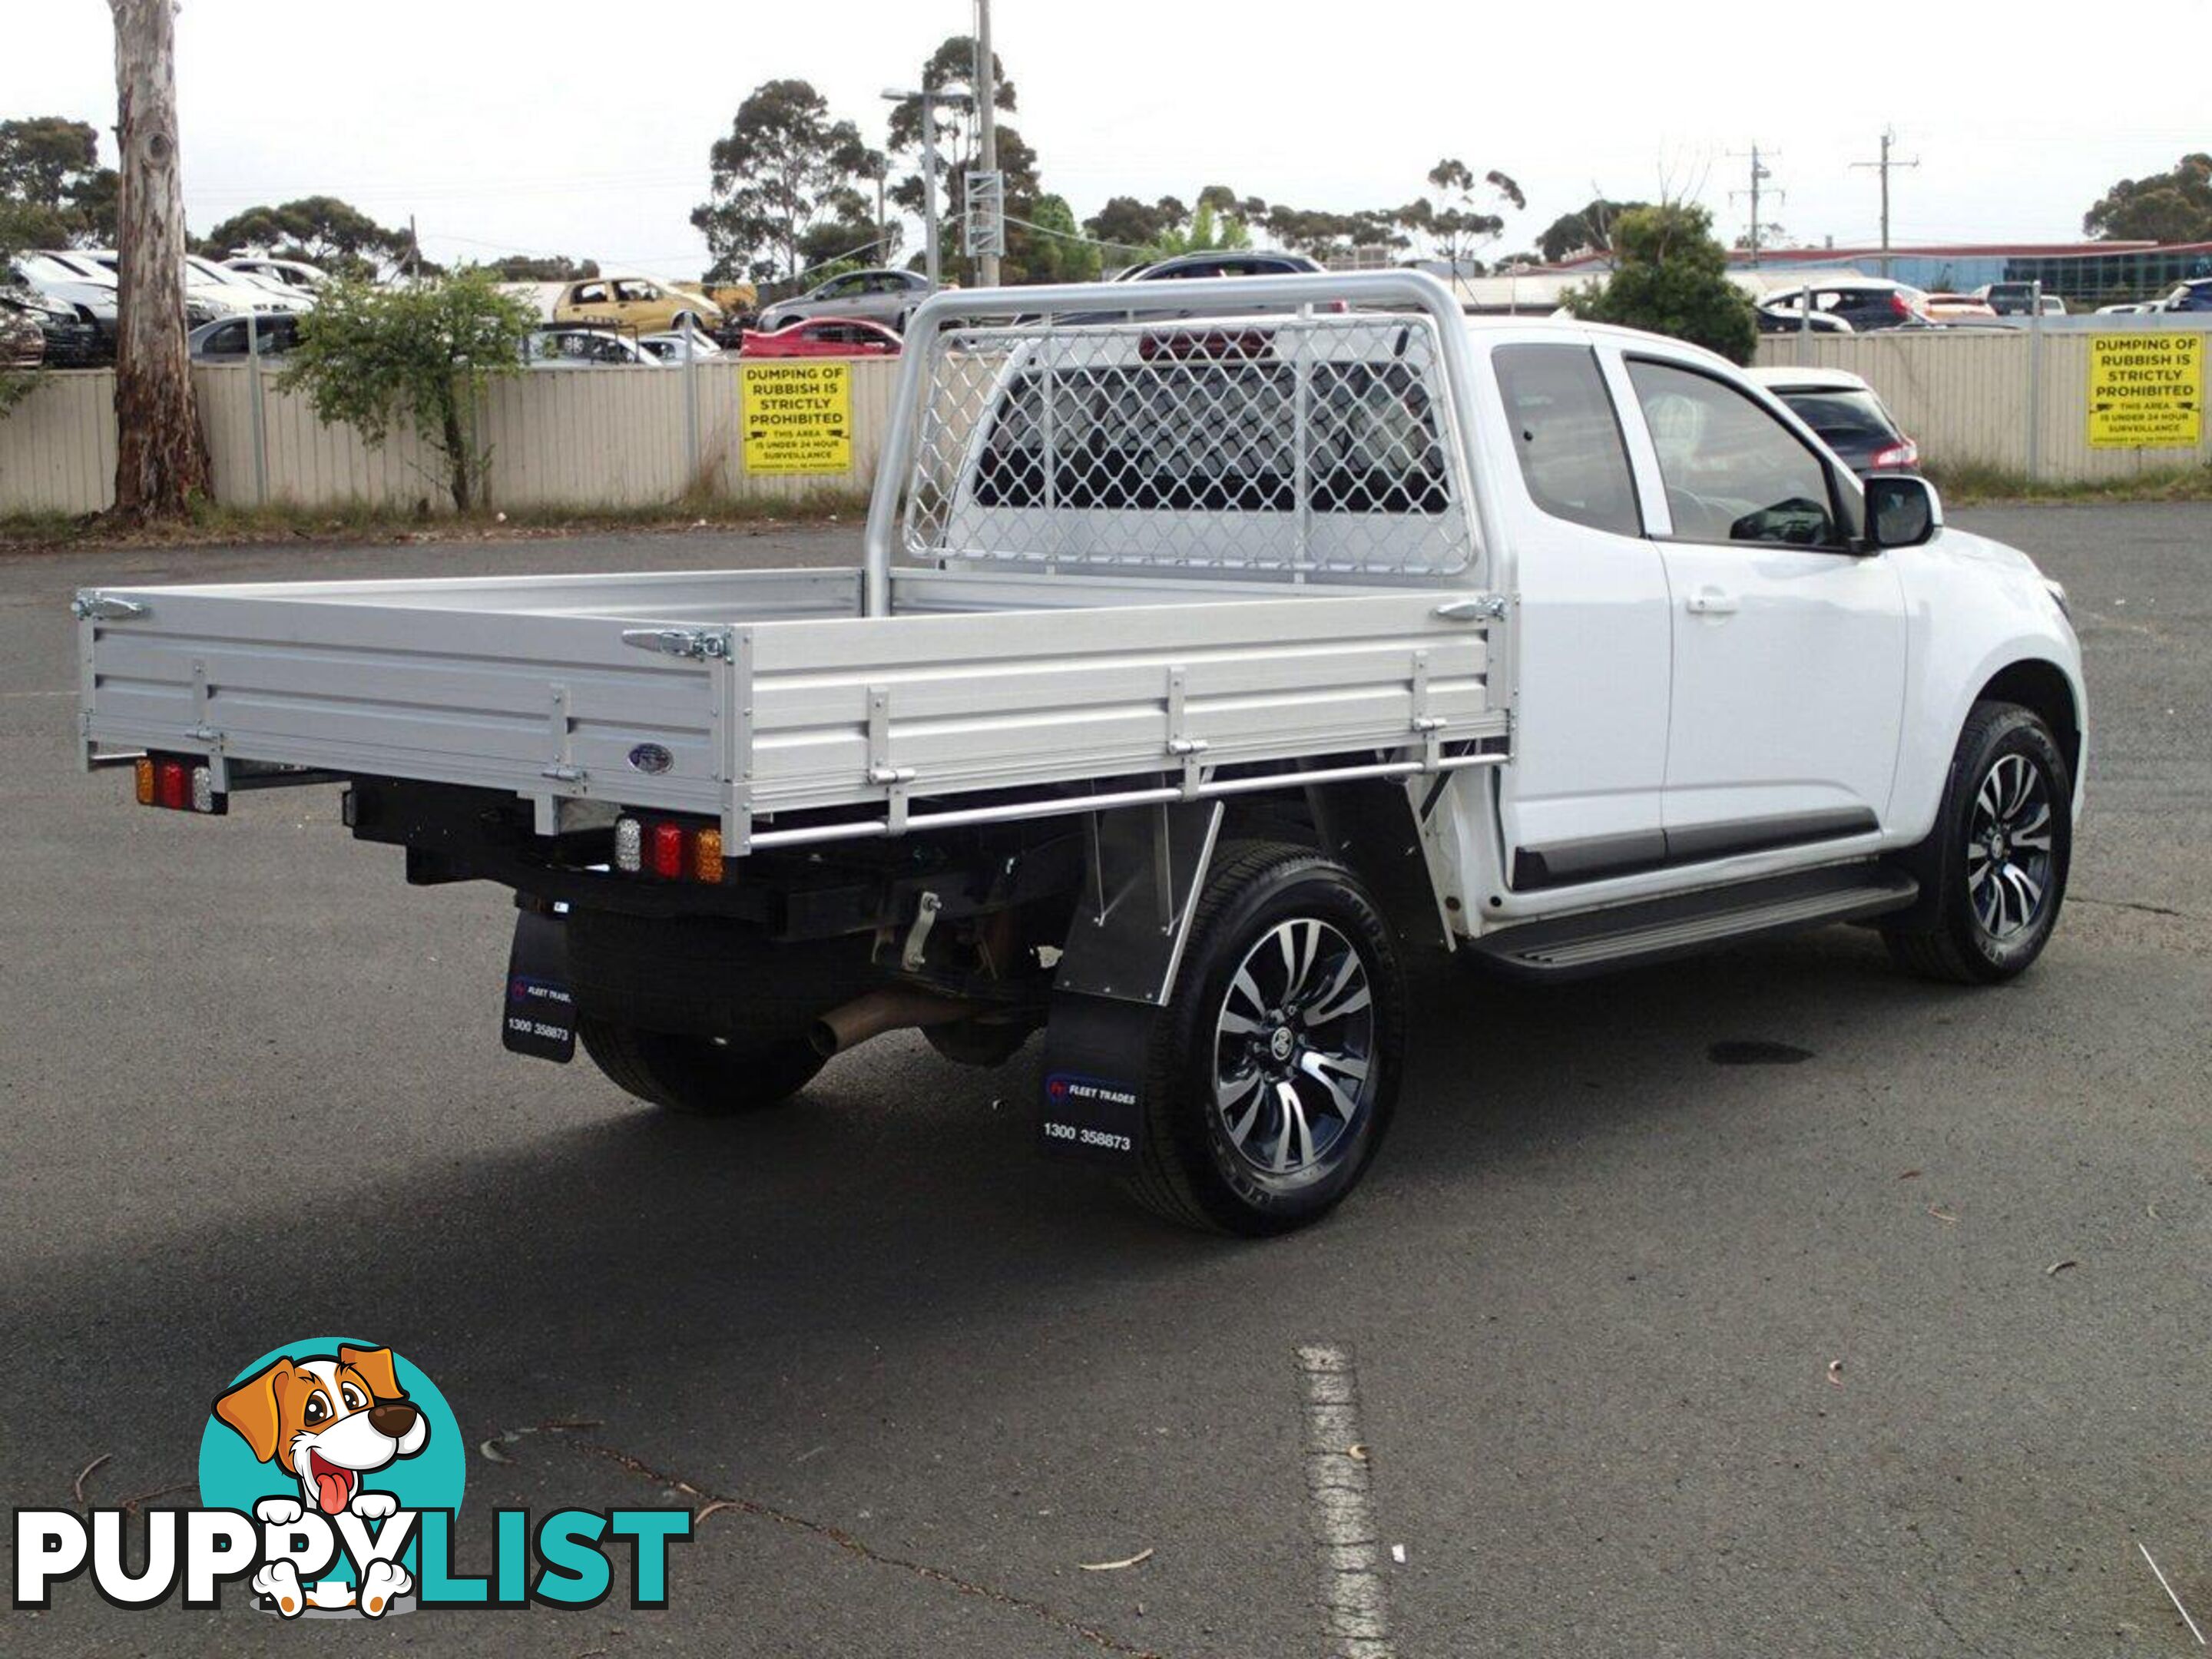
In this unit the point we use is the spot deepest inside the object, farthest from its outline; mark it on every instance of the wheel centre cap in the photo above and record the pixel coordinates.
(1280, 1045)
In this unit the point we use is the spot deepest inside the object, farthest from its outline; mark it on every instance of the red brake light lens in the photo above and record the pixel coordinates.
(1904, 453)
(668, 850)
(173, 785)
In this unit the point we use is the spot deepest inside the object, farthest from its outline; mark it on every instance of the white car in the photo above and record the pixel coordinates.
(209, 290)
(575, 347)
(1199, 670)
(296, 275)
(673, 346)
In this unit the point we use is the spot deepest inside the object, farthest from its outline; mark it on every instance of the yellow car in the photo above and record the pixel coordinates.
(634, 305)
(740, 301)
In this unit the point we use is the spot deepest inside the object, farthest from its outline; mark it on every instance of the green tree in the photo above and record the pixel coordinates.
(2167, 207)
(1670, 276)
(783, 168)
(322, 230)
(953, 64)
(53, 192)
(1586, 231)
(418, 356)
(1131, 228)
(1455, 223)
(542, 268)
(1059, 253)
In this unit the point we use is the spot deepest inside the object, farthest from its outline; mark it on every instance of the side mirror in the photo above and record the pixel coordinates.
(1902, 510)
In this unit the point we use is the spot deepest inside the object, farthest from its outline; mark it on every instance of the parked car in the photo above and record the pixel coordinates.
(294, 274)
(636, 305)
(877, 296)
(2020, 300)
(824, 336)
(1793, 321)
(209, 290)
(1242, 262)
(87, 289)
(1845, 415)
(1866, 303)
(1953, 308)
(226, 339)
(67, 339)
(1083, 750)
(2196, 295)
(585, 348)
(670, 348)
(738, 302)
(22, 342)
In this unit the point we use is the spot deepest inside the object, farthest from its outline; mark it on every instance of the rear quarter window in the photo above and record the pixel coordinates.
(1567, 436)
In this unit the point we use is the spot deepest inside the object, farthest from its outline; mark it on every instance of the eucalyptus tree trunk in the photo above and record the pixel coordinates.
(161, 460)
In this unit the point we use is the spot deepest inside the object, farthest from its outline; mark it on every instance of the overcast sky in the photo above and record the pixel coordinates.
(549, 126)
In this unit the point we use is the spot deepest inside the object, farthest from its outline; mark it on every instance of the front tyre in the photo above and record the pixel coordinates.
(1274, 1069)
(698, 1076)
(1998, 856)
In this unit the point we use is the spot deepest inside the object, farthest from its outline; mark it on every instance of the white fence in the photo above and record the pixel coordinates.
(599, 437)
(2017, 398)
(628, 437)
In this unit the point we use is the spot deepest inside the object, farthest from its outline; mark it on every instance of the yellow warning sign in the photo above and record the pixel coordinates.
(2146, 390)
(799, 416)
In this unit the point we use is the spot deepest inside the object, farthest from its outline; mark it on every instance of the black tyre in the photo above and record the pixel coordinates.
(699, 1076)
(1996, 861)
(1274, 1069)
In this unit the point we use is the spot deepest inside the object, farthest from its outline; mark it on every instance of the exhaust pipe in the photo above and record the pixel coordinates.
(893, 1008)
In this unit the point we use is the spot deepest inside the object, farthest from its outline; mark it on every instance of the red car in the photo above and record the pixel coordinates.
(824, 336)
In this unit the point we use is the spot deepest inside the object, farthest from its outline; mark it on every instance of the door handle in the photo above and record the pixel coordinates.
(1710, 602)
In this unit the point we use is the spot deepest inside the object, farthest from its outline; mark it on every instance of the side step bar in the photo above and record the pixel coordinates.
(1632, 934)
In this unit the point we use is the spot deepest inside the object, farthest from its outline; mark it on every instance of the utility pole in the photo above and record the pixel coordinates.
(1883, 166)
(987, 124)
(1760, 175)
(161, 461)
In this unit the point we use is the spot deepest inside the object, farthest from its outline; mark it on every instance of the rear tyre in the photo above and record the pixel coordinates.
(697, 1076)
(1272, 1071)
(1996, 860)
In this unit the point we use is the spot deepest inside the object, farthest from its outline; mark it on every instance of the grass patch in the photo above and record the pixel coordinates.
(217, 525)
(1973, 484)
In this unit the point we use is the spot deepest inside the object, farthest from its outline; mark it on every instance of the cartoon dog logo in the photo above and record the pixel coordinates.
(328, 1420)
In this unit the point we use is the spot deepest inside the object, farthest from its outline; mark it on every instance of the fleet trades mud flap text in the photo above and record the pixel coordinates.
(540, 1012)
(1091, 1106)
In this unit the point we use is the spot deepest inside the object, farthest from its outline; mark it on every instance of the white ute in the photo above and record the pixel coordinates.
(1200, 667)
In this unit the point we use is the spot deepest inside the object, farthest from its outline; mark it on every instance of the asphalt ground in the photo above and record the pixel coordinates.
(1898, 1349)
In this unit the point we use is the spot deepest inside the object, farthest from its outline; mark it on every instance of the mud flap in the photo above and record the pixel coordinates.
(1091, 1104)
(540, 1015)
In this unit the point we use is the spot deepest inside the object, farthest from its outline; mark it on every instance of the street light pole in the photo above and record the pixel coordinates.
(986, 126)
(929, 101)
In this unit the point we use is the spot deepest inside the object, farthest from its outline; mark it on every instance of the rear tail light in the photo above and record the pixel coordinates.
(669, 850)
(178, 783)
(1899, 304)
(1904, 452)
(629, 845)
(707, 856)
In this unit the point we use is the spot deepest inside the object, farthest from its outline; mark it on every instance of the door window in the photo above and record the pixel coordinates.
(1733, 473)
(591, 293)
(631, 292)
(1564, 432)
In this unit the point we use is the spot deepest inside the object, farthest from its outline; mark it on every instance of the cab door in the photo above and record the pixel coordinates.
(1787, 689)
(1584, 797)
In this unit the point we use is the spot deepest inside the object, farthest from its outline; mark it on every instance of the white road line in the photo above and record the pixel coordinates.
(1352, 1597)
(2172, 1597)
